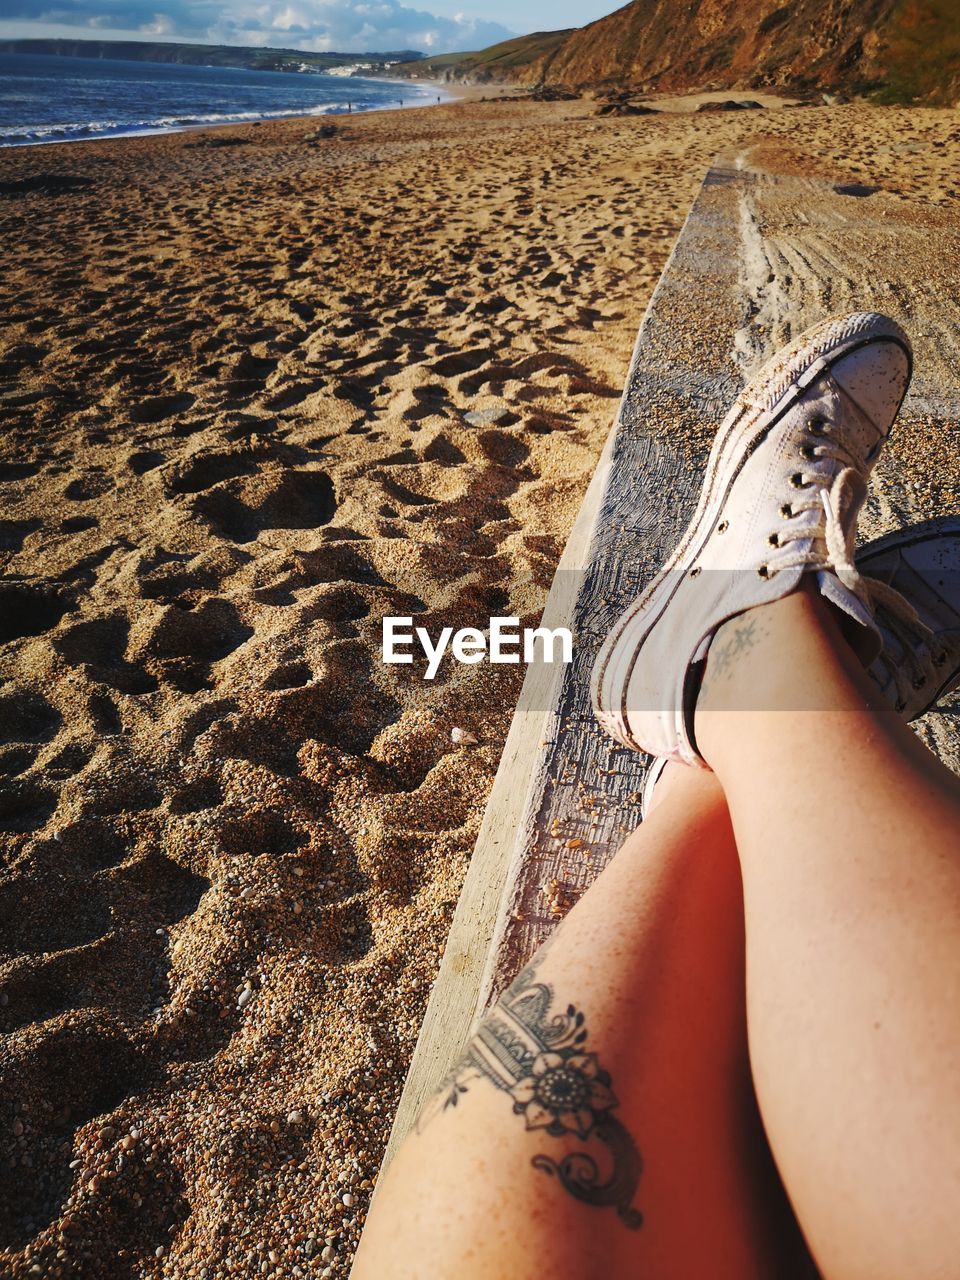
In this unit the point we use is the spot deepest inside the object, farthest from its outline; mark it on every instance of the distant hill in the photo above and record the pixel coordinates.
(511, 60)
(206, 55)
(896, 50)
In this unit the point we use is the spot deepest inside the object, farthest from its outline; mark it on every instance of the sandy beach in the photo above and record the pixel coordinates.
(259, 391)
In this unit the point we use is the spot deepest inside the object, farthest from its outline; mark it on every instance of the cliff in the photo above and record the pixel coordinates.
(898, 50)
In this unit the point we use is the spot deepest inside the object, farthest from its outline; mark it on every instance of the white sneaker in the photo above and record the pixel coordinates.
(784, 484)
(919, 664)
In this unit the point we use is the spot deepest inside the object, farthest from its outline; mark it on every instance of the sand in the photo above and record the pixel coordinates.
(235, 382)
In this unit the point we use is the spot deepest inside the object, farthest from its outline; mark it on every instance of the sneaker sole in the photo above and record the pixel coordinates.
(781, 383)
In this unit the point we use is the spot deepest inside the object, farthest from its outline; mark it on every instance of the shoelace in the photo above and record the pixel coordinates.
(836, 553)
(845, 495)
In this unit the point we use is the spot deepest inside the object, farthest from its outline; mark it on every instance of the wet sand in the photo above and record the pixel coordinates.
(255, 397)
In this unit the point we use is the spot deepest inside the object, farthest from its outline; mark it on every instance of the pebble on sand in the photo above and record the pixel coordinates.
(488, 417)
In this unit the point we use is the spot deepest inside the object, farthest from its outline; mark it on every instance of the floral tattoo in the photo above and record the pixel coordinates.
(540, 1060)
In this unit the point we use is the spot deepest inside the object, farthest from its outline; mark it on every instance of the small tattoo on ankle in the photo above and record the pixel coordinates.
(738, 637)
(540, 1059)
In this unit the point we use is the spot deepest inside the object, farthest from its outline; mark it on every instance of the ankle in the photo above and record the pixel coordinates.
(785, 657)
(752, 645)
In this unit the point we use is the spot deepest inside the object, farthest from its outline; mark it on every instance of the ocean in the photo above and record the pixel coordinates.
(51, 99)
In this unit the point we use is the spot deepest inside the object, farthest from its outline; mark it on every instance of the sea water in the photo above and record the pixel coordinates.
(53, 99)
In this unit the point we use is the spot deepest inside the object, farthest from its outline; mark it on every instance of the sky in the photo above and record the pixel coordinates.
(439, 26)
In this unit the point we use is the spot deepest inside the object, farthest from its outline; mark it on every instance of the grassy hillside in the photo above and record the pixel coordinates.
(434, 66)
(208, 55)
(519, 60)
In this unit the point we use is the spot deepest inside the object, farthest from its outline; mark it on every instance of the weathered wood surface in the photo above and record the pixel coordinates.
(760, 258)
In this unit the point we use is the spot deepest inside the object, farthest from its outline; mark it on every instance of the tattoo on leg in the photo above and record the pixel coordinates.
(740, 639)
(540, 1059)
(734, 641)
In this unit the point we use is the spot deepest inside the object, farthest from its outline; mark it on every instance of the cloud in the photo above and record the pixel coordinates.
(319, 25)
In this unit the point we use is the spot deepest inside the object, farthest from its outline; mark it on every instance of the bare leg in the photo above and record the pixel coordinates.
(652, 958)
(849, 837)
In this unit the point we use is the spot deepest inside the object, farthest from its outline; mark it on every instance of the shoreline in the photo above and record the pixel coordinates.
(249, 119)
(441, 93)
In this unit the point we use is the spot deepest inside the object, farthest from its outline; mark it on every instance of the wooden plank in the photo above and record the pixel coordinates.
(761, 256)
(451, 1011)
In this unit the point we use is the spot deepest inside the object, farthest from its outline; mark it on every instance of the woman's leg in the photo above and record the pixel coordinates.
(849, 838)
(627, 1035)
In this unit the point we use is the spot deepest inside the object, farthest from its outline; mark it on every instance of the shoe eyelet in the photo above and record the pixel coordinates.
(817, 427)
(900, 705)
(695, 571)
(774, 540)
(796, 480)
(919, 682)
(786, 511)
(808, 453)
(763, 571)
(940, 659)
(723, 526)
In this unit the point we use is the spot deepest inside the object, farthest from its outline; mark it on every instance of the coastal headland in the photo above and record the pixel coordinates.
(262, 386)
